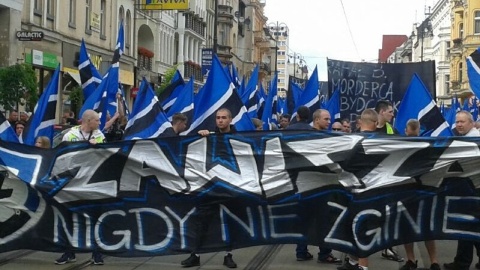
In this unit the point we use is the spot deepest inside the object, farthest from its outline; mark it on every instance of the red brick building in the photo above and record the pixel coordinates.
(389, 44)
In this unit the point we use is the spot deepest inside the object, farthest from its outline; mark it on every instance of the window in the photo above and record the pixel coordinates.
(37, 7)
(128, 25)
(447, 83)
(103, 19)
(476, 27)
(71, 13)
(460, 72)
(88, 5)
(460, 30)
(50, 9)
(121, 15)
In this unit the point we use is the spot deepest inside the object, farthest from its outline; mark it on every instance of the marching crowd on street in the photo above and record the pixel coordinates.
(377, 120)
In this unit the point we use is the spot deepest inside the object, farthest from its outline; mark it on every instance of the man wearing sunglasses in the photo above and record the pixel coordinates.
(337, 127)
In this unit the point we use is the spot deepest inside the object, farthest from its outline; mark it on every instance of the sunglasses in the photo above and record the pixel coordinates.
(336, 129)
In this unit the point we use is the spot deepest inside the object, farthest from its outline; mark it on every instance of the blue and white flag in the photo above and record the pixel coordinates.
(184, 102)
(261, 97)
(234, 77)
(7, 133)
(270, 111)
(218, 92)
(474, 109)
(249, 95)
(89, 75)
(333, 107)
(104, 98)
(172, 91)
(147, 119)
(418, 104)
(120, 45)
(310, 97)
(473, 71)
(282, 105)
(42, 121)
(452, 112)
(293, 97)
(466, 106)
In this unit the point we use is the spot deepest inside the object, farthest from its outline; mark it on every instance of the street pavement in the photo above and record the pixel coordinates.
(274, 257)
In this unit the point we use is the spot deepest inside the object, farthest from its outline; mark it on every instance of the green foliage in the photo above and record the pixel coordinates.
(76, 95)
(18, 86)
(76, 98)
(167, 78)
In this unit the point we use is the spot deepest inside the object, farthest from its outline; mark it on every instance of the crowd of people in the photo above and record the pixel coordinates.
(377, 120)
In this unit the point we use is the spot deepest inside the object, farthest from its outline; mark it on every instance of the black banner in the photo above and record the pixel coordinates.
(363, 84)
(175, 195)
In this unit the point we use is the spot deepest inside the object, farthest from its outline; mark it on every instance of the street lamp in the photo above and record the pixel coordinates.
(301, 64)
(424, 30)
(278, 29)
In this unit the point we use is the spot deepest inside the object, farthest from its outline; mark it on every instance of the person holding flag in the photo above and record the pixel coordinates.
(412, 129)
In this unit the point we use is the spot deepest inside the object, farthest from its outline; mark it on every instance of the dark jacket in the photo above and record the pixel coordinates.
(232, 130)
(303, 125)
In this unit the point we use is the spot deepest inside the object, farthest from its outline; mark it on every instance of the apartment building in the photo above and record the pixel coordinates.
(465, 38)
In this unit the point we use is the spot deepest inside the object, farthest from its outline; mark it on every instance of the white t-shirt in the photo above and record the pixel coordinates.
(473, 132)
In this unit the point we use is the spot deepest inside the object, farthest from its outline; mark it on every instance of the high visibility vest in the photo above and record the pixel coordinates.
(74, 135)
(389, 129)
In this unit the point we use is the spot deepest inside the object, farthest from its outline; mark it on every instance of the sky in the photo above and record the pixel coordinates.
(349, 30)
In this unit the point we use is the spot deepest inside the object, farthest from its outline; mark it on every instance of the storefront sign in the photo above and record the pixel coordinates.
(94, 22)
(207, 56)
(164, 4)
(43, 59)
(29, 35)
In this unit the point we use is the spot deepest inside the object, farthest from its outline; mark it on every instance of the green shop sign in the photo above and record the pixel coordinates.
(43, 59)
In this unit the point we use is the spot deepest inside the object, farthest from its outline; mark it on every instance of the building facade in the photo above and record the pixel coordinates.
(465, 39)
(280, 32)
(155, 40)
(439, 49)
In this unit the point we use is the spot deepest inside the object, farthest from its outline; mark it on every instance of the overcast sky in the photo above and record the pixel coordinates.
(320, 28)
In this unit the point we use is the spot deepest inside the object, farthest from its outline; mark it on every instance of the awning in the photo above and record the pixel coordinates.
(75, 76)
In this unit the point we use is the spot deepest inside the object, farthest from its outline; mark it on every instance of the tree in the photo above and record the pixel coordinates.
(167, 79)
(76, 98)
(18, 86)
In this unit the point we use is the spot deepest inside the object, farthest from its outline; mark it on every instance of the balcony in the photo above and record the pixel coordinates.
(458, 7)
(225, 15)
(456, 85)
(456, 48)
(224, 53)
(265, 67)
(457, 42)
(194, 23)
(193, 70)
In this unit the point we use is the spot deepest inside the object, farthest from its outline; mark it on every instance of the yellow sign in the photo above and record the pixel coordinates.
(95, 22)
(165, 4)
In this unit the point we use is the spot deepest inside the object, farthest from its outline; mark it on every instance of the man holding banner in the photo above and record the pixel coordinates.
(464, 126)
(87, 131)
(384, 108)
(207, 209)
